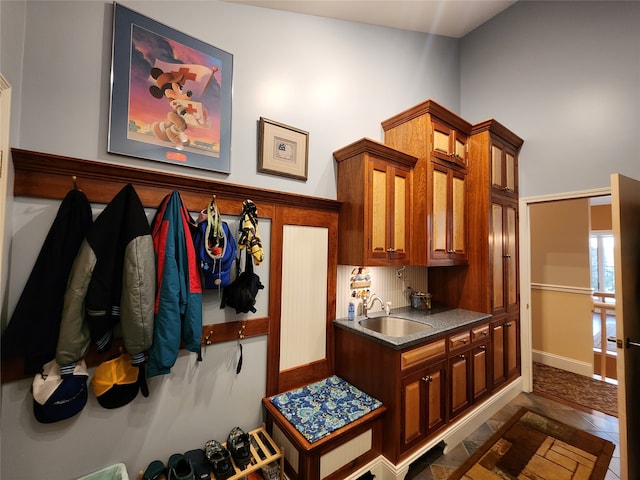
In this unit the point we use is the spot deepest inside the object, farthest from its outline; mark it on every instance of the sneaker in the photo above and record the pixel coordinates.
(219, 459)
(180, 468)
(239, 445)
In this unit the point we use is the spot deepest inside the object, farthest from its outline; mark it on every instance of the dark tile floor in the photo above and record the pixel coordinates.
(434, 465)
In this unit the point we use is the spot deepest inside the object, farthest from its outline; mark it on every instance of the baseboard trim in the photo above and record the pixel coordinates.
(563, 363)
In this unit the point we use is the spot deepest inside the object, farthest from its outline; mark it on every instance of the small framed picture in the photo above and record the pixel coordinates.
(283, 150)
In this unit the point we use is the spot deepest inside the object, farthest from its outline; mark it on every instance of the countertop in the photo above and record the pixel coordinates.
(442, 319)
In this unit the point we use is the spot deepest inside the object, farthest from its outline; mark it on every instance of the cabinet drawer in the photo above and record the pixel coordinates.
(459, 340)
(420, 354)
(480, 333)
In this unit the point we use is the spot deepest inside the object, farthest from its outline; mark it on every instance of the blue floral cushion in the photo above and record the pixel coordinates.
(318, 409)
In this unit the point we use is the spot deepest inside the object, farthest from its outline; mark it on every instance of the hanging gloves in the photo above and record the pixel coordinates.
(249, 235)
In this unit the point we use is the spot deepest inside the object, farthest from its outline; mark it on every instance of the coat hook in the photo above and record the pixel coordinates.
(207, 339)
(74, 180)
(241, 332)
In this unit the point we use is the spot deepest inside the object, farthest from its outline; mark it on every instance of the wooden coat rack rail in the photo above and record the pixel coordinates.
(43, 175)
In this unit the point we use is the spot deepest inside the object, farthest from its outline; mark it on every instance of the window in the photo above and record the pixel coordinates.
(601, 253)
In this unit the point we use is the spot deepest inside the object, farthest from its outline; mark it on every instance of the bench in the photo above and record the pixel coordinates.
(329, 429)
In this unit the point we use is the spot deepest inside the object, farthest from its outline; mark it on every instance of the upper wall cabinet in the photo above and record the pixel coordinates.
(374, 187)
(439, 139)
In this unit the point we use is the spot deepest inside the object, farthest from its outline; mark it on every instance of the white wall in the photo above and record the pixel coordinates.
(564, 76)
(338, 80)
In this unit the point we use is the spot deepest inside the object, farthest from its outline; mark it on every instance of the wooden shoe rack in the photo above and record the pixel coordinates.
(264, 451)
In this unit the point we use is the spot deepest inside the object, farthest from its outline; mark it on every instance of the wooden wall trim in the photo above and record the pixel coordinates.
(43, 175)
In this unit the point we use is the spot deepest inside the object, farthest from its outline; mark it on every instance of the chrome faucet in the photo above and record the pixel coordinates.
(367, 304)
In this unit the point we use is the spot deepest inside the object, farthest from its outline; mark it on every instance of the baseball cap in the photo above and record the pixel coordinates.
(115, 382)
(56, 398)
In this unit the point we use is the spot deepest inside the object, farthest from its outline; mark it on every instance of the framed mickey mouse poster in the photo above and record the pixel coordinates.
(170, 95)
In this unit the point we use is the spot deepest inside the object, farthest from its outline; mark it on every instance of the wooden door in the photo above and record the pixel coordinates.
(625, 209)
(5, 108)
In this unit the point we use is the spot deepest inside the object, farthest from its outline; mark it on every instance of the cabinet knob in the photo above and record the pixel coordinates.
(463, 341)
(427, 378)
(484, 334)
(483, 347)
(461, 356)
(507, 324)
(391, 250)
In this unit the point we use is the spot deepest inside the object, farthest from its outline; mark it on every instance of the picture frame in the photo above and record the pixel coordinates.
(170, 95)
(282, 150)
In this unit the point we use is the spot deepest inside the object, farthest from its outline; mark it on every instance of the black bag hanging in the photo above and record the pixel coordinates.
(241, 294)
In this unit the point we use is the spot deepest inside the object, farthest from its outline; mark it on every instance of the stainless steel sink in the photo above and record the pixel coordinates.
(394, 326)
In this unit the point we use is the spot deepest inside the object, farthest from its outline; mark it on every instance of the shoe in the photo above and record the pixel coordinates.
(239, 445)
(199, 462)
(180, 468)
(219, 459)
(155, 471)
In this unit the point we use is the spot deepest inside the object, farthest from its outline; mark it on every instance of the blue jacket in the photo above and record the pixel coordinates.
(178, 305)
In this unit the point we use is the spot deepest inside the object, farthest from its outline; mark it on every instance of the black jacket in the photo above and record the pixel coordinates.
(112, 282)
(32, 332)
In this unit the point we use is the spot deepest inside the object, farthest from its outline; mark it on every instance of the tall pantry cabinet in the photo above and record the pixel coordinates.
(493, 254)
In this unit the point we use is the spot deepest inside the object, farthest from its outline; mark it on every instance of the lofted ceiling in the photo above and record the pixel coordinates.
(450, 18)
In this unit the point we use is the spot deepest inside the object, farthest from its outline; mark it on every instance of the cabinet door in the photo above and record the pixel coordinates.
(423, 404)
(512, 348)
(503, 243)
(497, 347)
(448, 145)
(480, 368)
(448, 222)
(459, 371)
(379, 219)
(511, 258)
(504, 169)
(389, 213)
(505, 343)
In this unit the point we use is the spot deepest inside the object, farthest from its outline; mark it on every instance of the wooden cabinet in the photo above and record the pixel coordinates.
(504, 168)
(411, 383)
(504, 257)
(439, 140)
(468, 368)
(459, 397)
(447, 241)
(449, 145)
(493, 257)
(423, 404)
(423, 387)
(505, 334)
(374, 186)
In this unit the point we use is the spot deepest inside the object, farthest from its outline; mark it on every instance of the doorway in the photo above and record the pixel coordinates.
(561, 289)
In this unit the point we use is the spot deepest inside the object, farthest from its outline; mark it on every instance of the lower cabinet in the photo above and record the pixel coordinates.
(423, 403)
(505, 333)
(424, 387)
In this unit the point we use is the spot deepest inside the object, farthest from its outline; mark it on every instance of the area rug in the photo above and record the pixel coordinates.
(532, 446)
(576, 389)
